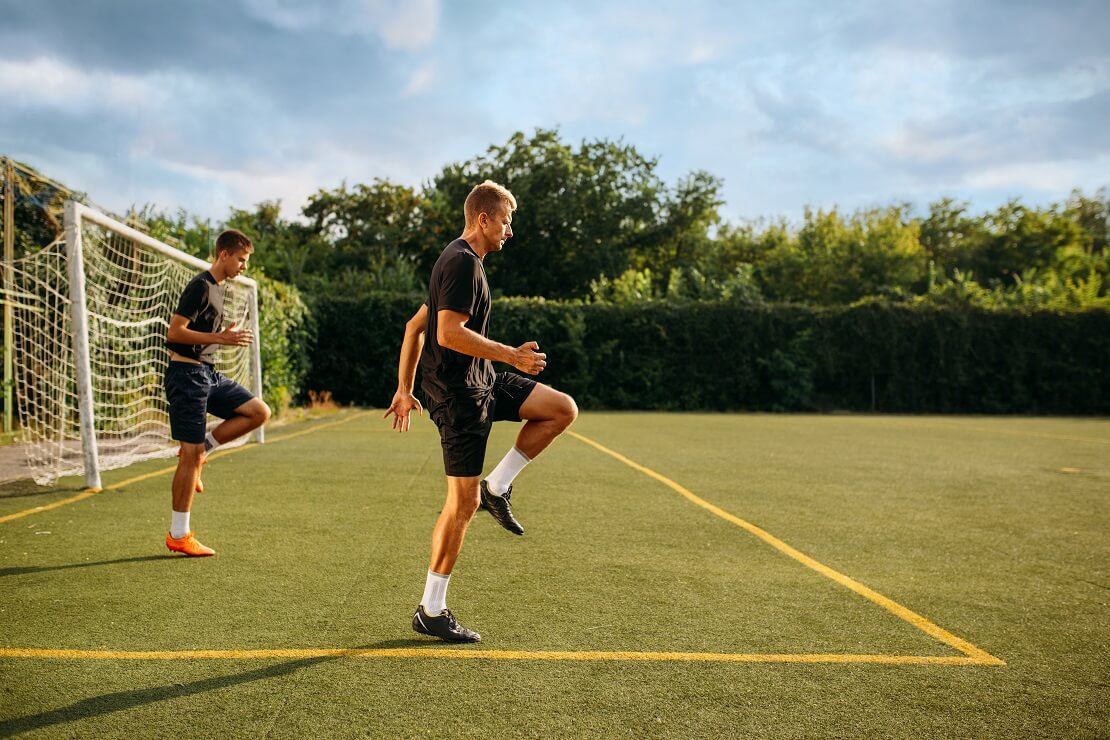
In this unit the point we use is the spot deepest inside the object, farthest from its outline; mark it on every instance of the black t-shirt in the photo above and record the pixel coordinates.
(202, 302)
(458, 283)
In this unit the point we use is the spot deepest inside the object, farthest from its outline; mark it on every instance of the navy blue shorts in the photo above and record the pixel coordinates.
(193, 392)
(464, 423)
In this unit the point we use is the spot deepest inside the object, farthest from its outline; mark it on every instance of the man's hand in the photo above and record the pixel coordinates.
(402, 406)
(528, 359)
(239, 338)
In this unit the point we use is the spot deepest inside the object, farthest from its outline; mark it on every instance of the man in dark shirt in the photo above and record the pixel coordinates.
(465, 396)
(194, 388)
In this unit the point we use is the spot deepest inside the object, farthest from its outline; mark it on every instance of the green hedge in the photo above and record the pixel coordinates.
(720, 356)
(286, 336)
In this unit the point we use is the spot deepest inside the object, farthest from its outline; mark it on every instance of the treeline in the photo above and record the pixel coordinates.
(717, 355)
(596, 223)
(646, 298)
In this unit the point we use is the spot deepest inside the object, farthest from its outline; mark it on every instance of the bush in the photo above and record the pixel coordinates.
(286, 335)
(357, 340)
(733, 356)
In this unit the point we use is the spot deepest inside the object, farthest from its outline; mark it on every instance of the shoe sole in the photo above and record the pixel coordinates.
(446, 639)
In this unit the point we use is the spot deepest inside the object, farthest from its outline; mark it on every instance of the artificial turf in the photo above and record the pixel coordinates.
(993, 528)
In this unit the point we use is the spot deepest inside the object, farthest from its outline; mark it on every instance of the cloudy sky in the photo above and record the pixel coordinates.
(207, 104)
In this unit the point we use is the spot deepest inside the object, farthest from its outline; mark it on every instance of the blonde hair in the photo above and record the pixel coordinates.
(485, 198)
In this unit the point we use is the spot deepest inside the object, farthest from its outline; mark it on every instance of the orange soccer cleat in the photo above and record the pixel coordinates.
(203, 461)
(188, 545)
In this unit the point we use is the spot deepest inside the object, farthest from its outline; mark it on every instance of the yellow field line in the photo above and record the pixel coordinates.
(980, 656)
(473, 654)
(214, 456)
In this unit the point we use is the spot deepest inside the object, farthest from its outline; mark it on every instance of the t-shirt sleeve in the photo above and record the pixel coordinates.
(460, 285)
(192, 300)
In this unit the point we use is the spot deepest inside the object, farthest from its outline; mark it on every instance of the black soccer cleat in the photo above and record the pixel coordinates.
(443, 625)
(499, 507)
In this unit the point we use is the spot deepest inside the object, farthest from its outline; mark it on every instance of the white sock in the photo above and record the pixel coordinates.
(509, 468)
(435, 593)
(210, 442)
(179, 524)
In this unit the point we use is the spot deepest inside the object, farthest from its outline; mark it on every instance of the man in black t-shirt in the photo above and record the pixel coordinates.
(194, 388)
(448, 336)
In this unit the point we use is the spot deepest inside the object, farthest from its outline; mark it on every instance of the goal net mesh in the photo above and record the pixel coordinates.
(131, 291)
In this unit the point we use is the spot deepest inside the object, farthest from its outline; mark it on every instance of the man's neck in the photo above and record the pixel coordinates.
(476, 242)
(217, 274)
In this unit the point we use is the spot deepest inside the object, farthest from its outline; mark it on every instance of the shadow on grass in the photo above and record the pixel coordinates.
(25, 569)
(25, 487)
(122, 700)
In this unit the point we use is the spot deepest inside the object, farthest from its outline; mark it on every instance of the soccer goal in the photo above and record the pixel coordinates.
(90, 314)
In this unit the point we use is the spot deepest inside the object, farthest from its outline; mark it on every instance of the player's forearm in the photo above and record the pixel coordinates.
(182, 335)
(410, 356)
(469, 342)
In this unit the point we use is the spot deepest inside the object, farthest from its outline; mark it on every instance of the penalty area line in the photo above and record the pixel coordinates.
(138, 478)
(481, 654)
(978, 655)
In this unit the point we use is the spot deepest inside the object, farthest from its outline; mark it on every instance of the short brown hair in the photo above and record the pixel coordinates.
(233, 241)
(485, 198)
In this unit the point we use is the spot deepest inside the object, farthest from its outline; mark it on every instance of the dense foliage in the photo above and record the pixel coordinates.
(721, 355)
(645, 294)
(286, 334)
(595, 222)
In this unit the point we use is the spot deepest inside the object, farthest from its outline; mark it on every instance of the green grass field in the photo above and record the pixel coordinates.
(626, 609)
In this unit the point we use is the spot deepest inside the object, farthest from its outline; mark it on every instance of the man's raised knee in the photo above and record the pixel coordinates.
(568, 411)
(259, 413)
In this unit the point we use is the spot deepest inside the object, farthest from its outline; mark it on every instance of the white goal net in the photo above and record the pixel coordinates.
(90, 317)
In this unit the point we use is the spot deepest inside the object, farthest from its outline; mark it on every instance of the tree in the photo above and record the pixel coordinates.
(586, 212)
(184, 231)
(284, 250)
(875, 252)
(370, 227)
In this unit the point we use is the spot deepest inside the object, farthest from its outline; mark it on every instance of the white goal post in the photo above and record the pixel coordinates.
(90, 319)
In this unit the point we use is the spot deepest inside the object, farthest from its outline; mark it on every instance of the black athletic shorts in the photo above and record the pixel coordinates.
(193, 391)
(464, 422)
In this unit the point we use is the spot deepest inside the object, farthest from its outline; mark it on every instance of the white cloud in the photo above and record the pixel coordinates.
(700, 52)
(408, 25)
(421, 79)
(290, 183)
(1053, 178)
(919, 144)
(405, 24)
(322, 165)
(792, 104)
(50, 82)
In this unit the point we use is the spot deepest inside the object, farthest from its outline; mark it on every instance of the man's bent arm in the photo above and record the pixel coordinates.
(180, 333)
(452, 333)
